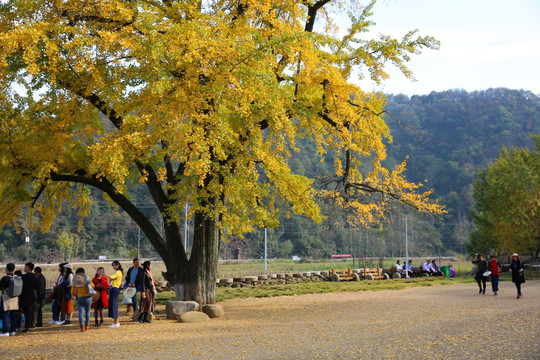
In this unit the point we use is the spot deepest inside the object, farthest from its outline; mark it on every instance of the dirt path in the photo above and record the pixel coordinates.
(439, 322)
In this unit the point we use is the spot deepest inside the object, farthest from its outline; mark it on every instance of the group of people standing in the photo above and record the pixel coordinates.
(26, 293)
(22, 294)
(492, 269)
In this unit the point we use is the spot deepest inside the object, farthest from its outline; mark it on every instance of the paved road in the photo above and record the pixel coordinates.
(432, 322)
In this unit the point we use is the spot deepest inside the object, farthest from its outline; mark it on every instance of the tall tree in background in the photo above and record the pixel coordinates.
(203, 101)
(507, 209)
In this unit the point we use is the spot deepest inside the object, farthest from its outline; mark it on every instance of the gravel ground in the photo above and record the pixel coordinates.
(435, 322)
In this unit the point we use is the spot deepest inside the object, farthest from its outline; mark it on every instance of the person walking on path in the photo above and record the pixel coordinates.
(147, 293)
(56, 295)
(28, 298)
(101, 284)
(81, 290)
(495, 269)
(9, 305)
(133, 280)
(116, 281)
(482, 265)
(40, 291)
(67, 298)
(516, 268)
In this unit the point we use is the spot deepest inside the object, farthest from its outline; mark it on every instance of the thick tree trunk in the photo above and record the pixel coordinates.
(195, 279)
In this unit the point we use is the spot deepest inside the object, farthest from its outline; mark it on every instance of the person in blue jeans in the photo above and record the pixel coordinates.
(134, 280)
(57, 316)
(9, 306)
(80, 289)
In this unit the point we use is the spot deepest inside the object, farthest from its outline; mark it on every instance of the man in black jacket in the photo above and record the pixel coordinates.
(28, 298)
(40, 291)
(134, 278)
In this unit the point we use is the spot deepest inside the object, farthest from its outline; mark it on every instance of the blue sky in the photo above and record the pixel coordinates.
(484, 43)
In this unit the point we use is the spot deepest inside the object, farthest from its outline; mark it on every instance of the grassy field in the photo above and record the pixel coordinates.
(252, 267)
(225, 293)
(256, 267)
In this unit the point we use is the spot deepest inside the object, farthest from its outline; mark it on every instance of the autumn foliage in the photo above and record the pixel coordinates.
(201, 101)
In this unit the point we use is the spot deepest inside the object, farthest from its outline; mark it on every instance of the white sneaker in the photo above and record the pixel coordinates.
(51, 322)
(115, 325)
(13, 333)
(407, 277)
(4, 334)
(58, 322)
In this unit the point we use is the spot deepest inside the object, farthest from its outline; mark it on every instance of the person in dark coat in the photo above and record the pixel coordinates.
(482, 265)
(516, 268)
(28, 298)
(40, 291)
(147, 293)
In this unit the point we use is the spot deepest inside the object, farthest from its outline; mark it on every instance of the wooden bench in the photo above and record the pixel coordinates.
(337, 275)
(374, 274)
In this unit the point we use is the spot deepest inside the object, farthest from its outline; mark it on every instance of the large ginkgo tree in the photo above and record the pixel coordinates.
(201, 102)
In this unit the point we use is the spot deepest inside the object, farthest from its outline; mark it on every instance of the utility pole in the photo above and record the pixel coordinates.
(185, 227)
(352, 247)
(406, 243)
(138, 241)
(265, 249)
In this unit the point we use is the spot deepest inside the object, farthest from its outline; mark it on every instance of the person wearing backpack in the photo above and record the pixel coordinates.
(28, 298)
(11, 288)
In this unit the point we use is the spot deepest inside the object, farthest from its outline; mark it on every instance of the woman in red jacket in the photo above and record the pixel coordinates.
(101, 284)
(494, 267)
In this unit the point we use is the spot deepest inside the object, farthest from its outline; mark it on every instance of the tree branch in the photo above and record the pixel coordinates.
(312, 14)
(104, 185)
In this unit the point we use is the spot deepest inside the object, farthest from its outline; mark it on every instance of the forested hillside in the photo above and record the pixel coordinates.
(448, 136)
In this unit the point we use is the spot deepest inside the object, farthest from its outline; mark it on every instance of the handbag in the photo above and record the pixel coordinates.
(521, 277)
(91, 290)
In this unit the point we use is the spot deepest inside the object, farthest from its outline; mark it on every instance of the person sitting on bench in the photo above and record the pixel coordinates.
(399, 267)
(451, 272)
(436, 270)
(408, 271)
(426, 268)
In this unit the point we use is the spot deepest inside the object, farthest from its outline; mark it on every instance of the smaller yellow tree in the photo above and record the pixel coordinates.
(65, 243)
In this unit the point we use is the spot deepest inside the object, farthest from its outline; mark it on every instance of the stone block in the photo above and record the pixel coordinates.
(177, 308)
(213, 310)
(193, 317)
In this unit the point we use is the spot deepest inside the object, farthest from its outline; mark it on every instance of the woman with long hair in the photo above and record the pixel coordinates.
(147, 294)
(101, 284)
(116, 281)
(67, 299)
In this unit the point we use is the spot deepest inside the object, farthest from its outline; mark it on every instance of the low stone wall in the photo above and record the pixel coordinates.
(274, 279)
